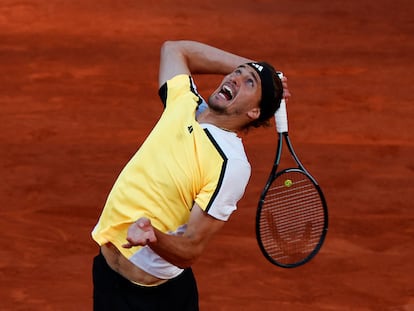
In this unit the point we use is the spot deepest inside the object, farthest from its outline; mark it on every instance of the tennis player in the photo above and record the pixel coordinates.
(183, 183)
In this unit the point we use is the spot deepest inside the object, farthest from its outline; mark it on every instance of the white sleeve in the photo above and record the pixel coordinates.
(231, 190)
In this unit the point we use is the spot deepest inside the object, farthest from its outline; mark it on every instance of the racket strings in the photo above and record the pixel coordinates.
(292, 218)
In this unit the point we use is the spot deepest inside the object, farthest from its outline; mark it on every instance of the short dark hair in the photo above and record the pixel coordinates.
(272, 92)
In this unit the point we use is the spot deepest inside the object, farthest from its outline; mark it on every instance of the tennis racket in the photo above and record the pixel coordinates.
(292, 214)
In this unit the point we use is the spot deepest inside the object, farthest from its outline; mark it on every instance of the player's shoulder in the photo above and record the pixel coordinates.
(176, 86)
(228, 142)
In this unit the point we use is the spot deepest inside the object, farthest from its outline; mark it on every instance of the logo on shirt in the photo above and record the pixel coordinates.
(190, 129)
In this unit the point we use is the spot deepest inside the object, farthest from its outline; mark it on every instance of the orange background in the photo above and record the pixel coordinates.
(78, 95)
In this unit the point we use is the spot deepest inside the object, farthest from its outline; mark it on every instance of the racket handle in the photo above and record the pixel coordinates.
(281, 114)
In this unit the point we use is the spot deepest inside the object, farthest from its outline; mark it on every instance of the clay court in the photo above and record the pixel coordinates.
(78, 95)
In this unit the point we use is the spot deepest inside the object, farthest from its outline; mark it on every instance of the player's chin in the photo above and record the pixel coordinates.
(216, 101)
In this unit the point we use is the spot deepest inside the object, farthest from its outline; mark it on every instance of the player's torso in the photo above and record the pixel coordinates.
(176, 162)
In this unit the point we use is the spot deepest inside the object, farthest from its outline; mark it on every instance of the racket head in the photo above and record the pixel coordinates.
(291, 219)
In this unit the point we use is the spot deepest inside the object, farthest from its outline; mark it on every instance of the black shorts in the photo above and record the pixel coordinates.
(113, 292)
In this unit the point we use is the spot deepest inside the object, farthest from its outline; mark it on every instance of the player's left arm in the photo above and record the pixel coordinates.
(191, 57)
(180, 250)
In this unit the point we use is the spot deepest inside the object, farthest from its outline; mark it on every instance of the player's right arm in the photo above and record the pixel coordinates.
(191, 57)
(180, 250)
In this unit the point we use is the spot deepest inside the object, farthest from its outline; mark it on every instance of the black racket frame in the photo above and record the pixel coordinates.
(273, 175)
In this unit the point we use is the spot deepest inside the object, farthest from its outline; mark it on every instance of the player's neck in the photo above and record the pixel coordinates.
(221, 121)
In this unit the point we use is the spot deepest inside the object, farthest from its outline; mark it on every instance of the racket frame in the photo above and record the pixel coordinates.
(284, 136)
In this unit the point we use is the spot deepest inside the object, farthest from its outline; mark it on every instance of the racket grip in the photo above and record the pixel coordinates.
(281, 114)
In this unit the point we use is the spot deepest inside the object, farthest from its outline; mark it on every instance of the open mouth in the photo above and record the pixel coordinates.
(226, 92)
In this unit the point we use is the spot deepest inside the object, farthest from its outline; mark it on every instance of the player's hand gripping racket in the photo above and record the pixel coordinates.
(292, 215)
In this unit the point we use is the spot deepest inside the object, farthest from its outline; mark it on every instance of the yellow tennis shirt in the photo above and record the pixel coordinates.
(180, 162)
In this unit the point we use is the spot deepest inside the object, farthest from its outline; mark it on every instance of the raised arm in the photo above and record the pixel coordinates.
(190, 57)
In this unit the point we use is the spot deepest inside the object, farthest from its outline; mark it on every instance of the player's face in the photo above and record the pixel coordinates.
(239, 92)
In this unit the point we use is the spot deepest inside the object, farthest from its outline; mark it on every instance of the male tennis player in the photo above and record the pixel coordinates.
(183, 183)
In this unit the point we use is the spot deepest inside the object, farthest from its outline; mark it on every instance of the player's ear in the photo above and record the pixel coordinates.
(254, 113)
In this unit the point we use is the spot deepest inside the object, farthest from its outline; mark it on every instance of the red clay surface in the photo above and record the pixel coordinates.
(78, 95)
